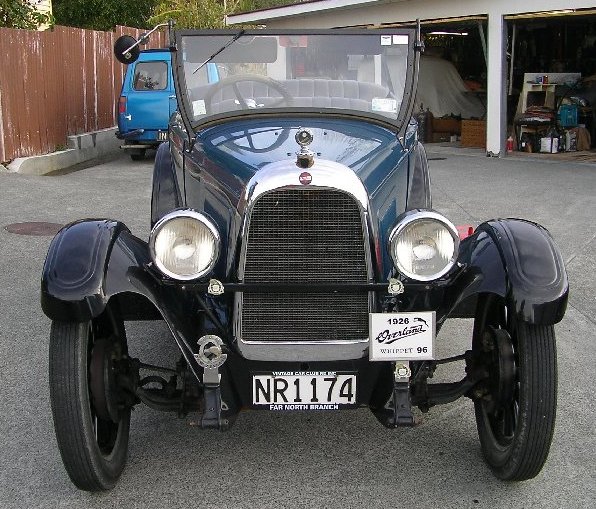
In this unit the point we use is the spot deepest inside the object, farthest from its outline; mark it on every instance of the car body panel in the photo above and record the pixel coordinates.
(537, 282)
(166, 193)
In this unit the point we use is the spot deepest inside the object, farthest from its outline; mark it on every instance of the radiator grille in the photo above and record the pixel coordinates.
(305, 236)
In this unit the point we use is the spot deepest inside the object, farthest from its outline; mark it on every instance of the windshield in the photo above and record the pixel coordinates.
(223, 73)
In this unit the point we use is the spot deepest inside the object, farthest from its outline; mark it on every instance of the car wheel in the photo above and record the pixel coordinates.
(138, 154)
(90, 419)
(515, 409)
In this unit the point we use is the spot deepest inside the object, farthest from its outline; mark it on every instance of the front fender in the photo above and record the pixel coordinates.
(91, 261)
(87, 262)
(517, 260)
(537, 283)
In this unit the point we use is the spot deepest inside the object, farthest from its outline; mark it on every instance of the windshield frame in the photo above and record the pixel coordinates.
(398, 124)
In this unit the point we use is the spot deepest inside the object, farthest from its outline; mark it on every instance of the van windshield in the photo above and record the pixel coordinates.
(353, 71)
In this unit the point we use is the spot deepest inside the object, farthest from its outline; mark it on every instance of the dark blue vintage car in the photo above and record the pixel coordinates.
(297, 261)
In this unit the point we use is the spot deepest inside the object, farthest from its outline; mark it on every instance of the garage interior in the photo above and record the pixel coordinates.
(550, 86)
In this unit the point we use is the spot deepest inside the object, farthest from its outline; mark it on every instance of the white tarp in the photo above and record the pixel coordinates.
(441, 89)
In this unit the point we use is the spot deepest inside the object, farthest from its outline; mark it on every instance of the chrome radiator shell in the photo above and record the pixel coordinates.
(296, 233)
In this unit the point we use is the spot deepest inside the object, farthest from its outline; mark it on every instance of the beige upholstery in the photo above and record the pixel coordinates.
(317, 93)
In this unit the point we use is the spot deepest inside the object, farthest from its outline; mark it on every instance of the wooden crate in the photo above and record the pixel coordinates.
(447, 125)
(473, 133)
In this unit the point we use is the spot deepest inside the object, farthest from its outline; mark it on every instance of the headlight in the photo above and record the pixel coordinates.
(424, 245)
(184, 244)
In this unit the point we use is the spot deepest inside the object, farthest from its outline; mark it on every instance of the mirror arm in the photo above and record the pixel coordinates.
(144, 37)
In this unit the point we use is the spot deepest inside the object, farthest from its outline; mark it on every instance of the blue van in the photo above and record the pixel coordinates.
(147, 101)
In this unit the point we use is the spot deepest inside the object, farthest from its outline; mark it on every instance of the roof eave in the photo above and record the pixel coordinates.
(299, 9)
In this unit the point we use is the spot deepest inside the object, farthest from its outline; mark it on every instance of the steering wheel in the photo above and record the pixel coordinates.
(279, 137)
(232, 81)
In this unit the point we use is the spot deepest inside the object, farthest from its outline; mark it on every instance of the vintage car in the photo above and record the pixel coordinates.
(298, 263)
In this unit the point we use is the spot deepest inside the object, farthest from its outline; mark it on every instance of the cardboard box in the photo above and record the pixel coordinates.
(473, 133)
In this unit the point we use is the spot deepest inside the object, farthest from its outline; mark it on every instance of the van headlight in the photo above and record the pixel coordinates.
(184, 244)
(424, 245)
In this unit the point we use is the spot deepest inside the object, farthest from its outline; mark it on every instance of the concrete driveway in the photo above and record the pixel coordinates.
(305, 460)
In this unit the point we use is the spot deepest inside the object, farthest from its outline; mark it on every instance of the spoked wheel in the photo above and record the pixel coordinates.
(516, 414)
(91, 416)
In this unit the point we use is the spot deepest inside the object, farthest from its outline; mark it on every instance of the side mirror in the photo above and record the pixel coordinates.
(126, 49)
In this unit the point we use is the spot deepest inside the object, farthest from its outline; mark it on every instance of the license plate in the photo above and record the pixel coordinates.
(402, 336)
(162, 135)
(301, 390)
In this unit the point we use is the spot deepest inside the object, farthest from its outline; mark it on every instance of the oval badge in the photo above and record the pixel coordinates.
(305, 178)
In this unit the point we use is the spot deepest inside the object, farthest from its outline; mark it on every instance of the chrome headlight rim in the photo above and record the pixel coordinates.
(184, 213)
(418, 215)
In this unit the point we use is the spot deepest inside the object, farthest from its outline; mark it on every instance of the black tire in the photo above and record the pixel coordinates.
(93, 462)
(138, 154)
(516, 423)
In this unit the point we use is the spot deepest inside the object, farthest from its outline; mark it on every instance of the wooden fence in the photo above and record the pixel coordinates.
(57, 83)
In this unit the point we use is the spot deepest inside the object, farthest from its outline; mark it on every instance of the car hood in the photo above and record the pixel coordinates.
(235, 151)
